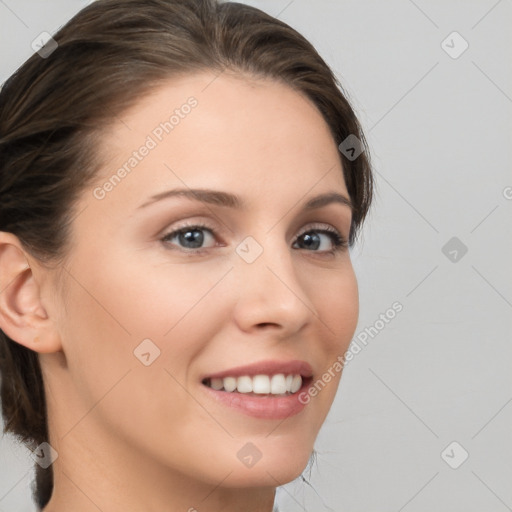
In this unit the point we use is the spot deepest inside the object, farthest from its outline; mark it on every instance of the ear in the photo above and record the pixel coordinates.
(23, 316)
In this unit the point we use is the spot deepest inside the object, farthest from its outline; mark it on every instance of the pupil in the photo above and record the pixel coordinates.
(192, 238)
(311, 241)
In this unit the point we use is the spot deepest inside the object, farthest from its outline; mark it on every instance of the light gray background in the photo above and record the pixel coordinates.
(439, 130)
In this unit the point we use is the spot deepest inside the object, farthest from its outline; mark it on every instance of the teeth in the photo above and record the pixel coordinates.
(217, 384)
(230, 383)
(278, 384)
(296, 383)
(244, 384)
(261, 384)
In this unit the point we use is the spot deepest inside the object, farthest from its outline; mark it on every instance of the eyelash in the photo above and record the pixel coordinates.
(339, 242)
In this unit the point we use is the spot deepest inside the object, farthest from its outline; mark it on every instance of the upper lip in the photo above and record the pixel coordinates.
(269, 367)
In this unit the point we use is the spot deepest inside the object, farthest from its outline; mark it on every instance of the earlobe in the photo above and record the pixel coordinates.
(23, 317)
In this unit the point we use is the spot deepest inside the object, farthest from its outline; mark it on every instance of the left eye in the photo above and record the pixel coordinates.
(319, 240)
(191, 237)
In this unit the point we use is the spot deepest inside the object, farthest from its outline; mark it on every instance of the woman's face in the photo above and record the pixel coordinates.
(217, 248)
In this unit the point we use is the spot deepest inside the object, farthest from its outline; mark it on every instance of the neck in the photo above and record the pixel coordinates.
(89, 488)
(95, 472)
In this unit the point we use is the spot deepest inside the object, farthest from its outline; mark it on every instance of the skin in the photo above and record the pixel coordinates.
(132, 437)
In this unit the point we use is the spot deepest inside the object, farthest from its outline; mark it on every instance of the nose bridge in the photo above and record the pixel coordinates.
(270, 289)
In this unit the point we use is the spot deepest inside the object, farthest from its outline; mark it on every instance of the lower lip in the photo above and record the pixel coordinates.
(265, 407)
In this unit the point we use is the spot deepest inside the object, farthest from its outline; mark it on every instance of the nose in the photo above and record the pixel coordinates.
(271, 294)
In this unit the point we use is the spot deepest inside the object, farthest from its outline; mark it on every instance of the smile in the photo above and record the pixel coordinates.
(267, 390)
(278, 384)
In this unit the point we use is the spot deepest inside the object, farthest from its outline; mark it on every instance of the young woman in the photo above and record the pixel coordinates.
(180, 184)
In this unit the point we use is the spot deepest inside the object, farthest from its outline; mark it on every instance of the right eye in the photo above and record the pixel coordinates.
(191, 238)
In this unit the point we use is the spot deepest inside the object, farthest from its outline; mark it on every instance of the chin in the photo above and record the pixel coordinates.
(266, 476)
(277, 466)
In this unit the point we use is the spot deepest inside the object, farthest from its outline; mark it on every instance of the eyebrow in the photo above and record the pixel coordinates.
(228, 200)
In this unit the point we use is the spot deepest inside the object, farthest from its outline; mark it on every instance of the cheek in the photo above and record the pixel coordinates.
(108, 316)
(337, 306)
(153, 298)
(117, 306)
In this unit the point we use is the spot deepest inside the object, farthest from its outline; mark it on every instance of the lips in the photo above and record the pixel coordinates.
(268, 389)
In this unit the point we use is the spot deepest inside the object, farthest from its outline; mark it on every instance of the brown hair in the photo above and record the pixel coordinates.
(108, 56)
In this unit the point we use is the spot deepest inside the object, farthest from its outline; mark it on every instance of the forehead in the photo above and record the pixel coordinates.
(221, 131)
